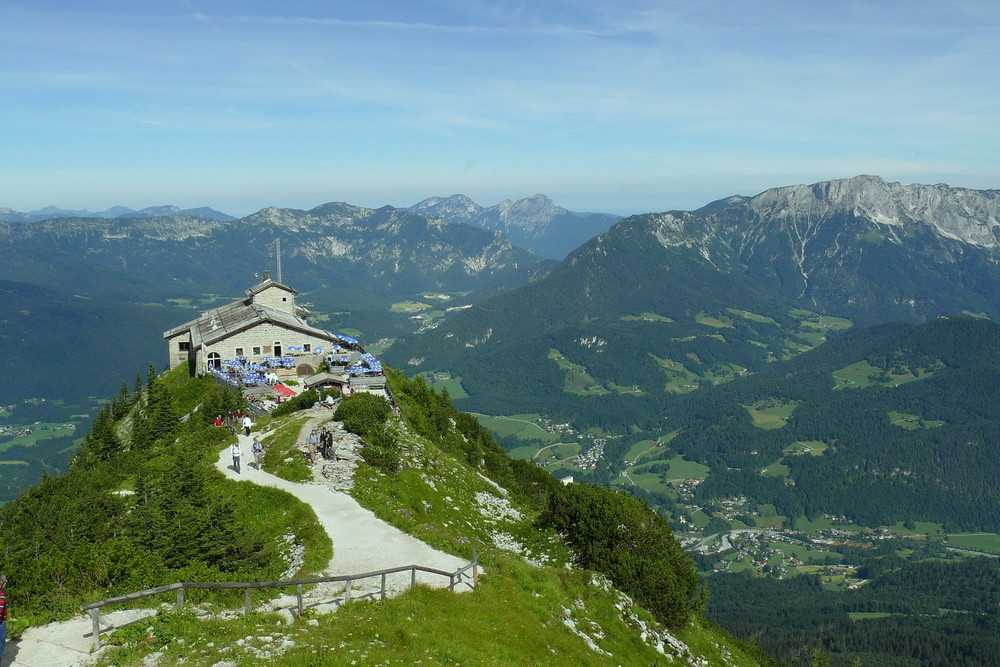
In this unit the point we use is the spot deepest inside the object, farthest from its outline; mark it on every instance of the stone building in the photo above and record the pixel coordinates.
(267, 323)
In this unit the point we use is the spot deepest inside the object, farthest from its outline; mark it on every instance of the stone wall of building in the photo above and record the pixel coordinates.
(259, 342)
(276, 297)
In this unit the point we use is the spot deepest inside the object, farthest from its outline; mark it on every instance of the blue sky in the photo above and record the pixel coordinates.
(624, 107)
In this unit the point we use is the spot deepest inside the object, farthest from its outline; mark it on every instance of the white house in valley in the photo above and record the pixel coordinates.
(266, 324)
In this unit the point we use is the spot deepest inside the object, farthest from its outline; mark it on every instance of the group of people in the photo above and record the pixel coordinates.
(256, 448)
(320, 441)
(236, 418)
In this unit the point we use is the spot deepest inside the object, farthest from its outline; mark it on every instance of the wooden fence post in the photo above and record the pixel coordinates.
(298, 596)
(247, 601)
(413, 577)
(95, 624)
(475, 568)
(180, 598)
(347, 592)
(383, 585)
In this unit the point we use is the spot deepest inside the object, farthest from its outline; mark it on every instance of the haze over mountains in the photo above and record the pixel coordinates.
(50, 212)
(535, 223)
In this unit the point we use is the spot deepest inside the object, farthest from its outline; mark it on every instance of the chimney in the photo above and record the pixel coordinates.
(267, 275)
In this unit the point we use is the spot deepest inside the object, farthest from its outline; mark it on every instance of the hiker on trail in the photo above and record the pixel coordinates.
(258, 450)
(3, 615)
(237, 453)
(313, 441)
(218, 420)
(247, 424)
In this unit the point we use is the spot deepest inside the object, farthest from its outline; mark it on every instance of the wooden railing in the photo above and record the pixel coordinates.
(456, 578)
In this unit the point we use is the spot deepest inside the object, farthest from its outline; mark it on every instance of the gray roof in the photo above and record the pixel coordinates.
(218, 323)
(261, 286)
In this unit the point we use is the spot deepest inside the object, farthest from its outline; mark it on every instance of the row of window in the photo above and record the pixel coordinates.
(185, 346)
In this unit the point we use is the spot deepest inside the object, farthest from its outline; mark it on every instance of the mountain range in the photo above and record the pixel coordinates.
(735, 284)
(50, 212)
(535, 222)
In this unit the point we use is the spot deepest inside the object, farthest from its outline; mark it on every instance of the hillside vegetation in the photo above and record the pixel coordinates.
(143, 506)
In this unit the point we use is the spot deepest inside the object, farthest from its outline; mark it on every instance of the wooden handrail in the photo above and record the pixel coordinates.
(454, 578)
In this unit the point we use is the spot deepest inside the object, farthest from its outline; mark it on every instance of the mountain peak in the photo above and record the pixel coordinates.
(970, 216)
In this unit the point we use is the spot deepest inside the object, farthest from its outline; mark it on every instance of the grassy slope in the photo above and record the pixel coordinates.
(557, 615)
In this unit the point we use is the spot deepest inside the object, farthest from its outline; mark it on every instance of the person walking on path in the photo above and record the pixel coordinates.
(247, 425)
(3, 615)
(237, 453)
(258, 450)
(313, 442)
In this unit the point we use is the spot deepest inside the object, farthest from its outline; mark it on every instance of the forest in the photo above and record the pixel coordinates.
(932, 614)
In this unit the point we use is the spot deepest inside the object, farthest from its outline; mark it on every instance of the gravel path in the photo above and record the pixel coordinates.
(361, 543)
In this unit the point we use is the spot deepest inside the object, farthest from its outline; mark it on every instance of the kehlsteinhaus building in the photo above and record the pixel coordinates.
(265, 325)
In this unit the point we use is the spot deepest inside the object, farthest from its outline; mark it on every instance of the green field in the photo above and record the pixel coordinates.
(989, 542)
(645, 317)
(811, 447)
(753, 317)
(556, 452)
(43, 431)
(439, 381)
(859, 374)
(771, 413)
(713, 321)
(409, 307)
(576, 379)
(865, 615)
(681, 469)
(912, 422)
(776, 469)
(524, 427)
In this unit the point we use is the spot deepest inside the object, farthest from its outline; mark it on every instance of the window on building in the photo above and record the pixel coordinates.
(307, 348)
(184, 346)
(215, 360)
(256, 351)
(239, 352)
(277, 348)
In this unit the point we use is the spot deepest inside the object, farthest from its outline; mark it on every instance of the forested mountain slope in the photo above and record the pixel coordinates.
(907, 418)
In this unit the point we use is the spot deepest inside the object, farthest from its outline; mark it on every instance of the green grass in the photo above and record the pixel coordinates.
(645, 317)
(977, 541)
(806, 526)
(776, 469)
(281, 457)
(644, 448)
(682, 469)
(576, 380)
(719, 322)
(519, 426)
(39, 433)
(912, 422)
(857, 375)
(753, 317)
(445, 381)
(771, 413)
(272, 514)
(810, 447)
(409, 307)
(866, 615)
(518, 616)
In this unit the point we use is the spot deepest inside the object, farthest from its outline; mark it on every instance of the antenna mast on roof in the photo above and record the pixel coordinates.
(277, 258)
